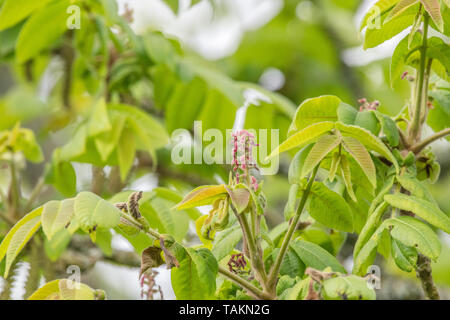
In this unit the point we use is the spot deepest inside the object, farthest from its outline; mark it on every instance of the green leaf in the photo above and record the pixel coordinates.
(153, 129)
(379, 8)
(239, 197)
(347, 288)
(162, 215)
(26, 143)
(64, 290)
(433, 7)
(324, 145)
(440, 51)
(366, 255)
(422, 208)
(376, 36)
(295, 168)
(107, 142)
(304, 137)
(389, 128)
(126, 150)
(13, 11)
(367, 139)
(195, 279)
(57, 245)
(202, 196)
(401, 52)
(56, 215)
(51, 24)
(416, 234)
(103, 240)
(299, 291)
(386, 188)
(291, 265)
(439, 117)
(314, 110)
(335, 161)
(18, 237)
(366, 119)
(399, 8)
(91, 212)
(416, 188)
(289, 209)
(316, 257)
(373, 221)
(62, 176)
(346, 175)
(362, 157)
(225, 241)
(405, 257)
(98, 120)
(330, 208)
(346, 113)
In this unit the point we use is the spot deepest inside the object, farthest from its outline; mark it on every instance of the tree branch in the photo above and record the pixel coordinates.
(423, 271)
(421, 145)
(254, 291)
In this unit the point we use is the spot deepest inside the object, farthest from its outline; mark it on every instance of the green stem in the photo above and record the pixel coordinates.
(421, 145)
(245, 284)
(255, 258)
(288, 237)
(415, 126)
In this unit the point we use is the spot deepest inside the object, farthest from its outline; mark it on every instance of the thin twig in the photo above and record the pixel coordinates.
(288, 237)
(245, 284)
(421, 145)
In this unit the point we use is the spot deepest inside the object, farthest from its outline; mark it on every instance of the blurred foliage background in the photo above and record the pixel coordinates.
(294, 49)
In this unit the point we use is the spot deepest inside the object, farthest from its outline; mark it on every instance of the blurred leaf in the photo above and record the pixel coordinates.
(51, 23)
(13, 11)
(315, 257)
(18, 237)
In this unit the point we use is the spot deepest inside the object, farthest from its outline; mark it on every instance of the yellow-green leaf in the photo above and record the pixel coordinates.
(372, 223)
(335, 160)
(14, 11)
(314, 110)
(433, 7)
(19, 236)
(422, 208)
(126, 150)
(399, 8)
(201, 196)
(91, 211)
(347, 176)
(64, 290)
(302, 138)
(367, 139)
(414, 233)
(56, 215)
(324, 145)
(360, 154)
(377, 10)
(329, 208)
